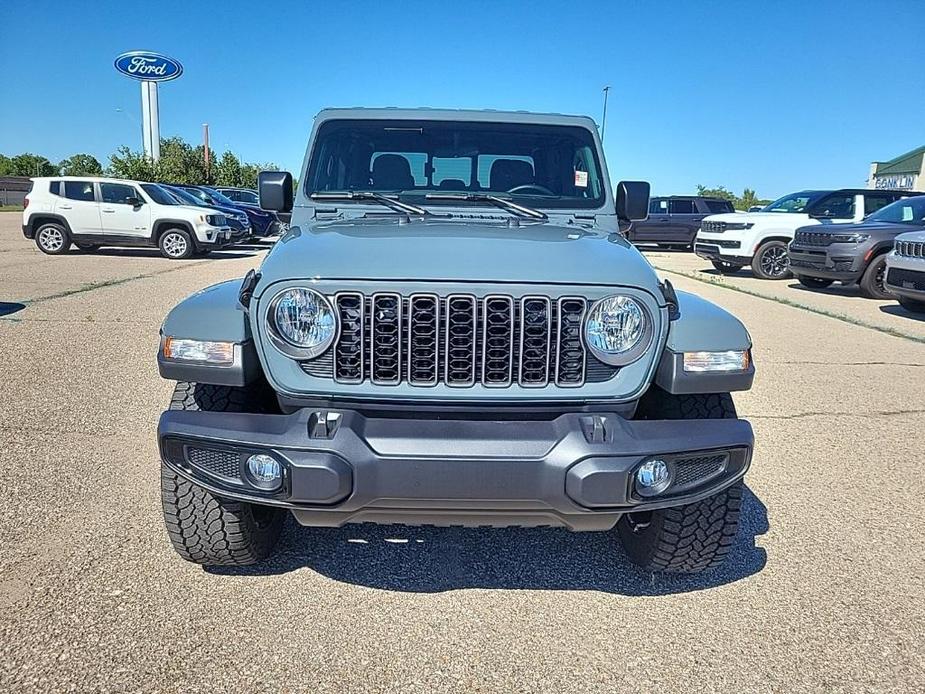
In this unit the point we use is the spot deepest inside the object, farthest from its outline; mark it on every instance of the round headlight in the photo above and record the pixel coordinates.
(618, 330)
(302, 323)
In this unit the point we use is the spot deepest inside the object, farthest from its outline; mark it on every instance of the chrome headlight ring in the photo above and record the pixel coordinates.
(323, 328)
(639, 346)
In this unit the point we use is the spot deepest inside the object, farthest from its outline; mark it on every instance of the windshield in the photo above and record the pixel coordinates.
(543, 165)
(907, 211)
(219, 198)
(185, 197)
(795, 202)
(247, 196)
(158, 194)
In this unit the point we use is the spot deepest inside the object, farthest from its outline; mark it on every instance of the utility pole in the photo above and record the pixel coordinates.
(205, 151)
(604, 117)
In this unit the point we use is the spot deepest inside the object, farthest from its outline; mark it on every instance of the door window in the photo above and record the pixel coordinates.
(117, 193)
(681, 207)
(836, 206)
(79, 190)
(658, 207)
(874, 202)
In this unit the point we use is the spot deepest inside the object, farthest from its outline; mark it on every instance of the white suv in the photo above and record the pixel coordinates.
(92, 212)
(905, 271)
(732, 241)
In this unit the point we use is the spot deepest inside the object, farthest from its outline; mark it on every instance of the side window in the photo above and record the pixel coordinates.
(657, 206)
(681, 206)
(874, 202)
(54, 187)
(835, 206)
(117, 193)
(718, 206)
(79, 190)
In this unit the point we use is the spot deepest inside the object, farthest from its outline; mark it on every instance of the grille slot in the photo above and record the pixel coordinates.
(910, 249)
(691, 472)
(220, 463)
(351, 307)
(498, 341)
(385, 339)
(461, 320)
(713, 227)
(570, 351)
(535, 341)
(423, 339)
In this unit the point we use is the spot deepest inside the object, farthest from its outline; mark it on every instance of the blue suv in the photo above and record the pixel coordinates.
(263, 223)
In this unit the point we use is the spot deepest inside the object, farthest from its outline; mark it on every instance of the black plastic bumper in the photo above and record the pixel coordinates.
(818, 263)
(712, 252)
(906, 283)
(340, 466)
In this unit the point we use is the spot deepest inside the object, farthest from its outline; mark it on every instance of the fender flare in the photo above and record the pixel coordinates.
(34, 221)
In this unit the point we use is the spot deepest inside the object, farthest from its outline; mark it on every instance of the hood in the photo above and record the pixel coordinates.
(441, 250)
(753, 217)
(874, 228)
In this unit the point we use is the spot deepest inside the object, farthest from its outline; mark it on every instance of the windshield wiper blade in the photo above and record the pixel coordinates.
(396, 205)
(503, 203)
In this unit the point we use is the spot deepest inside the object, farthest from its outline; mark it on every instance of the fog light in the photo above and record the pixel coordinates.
(265, 471)
(203, 352)
(652, 477)
(731, 360)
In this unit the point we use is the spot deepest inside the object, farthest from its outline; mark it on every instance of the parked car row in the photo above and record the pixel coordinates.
(181, 220)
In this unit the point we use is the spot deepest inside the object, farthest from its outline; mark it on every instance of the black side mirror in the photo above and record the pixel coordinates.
(275, 190)
(135, 202)
(632, 200)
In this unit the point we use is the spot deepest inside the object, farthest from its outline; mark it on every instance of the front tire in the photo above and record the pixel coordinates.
(771, 261)
(872, 281)
(52, 238)
(204, 528)
(694, 537)
(176, 244)
(813, 282)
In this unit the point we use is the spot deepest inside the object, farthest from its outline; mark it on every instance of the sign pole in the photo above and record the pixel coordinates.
(151, 136)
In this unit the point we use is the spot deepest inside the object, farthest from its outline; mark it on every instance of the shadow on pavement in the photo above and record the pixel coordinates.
(430, 560)
(892, 309)
(233, 253)
(7, 308)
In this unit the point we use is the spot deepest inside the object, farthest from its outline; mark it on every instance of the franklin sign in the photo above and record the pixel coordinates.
(147, 66)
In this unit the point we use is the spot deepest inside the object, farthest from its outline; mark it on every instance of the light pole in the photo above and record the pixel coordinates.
(604, 117)
(205, 151)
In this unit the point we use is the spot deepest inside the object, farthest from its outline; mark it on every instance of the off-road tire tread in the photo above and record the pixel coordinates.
(203, 528)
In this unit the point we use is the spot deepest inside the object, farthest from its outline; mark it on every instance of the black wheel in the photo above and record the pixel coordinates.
(911, 304)
(771, 261)
(726, 268)
(176, 244)
(813, 282)
(872, 281)
(204, 528)
(52, 238)
(694, 537)
(86, 247)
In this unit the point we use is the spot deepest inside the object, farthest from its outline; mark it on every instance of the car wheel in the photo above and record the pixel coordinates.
(813, 282)
(872, 281)
(693, 537)
(176, 244)
(726, 268)
(912, 305)
(52, 238)
(204, 528)
(771, 261)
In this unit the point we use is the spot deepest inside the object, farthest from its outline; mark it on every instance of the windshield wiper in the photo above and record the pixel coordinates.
(396, 205)
(503, 203)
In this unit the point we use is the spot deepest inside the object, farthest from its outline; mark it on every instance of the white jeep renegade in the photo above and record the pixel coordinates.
(92, 212)
(732, 241)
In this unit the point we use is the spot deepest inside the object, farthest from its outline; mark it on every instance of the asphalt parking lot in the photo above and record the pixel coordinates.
(825, 589)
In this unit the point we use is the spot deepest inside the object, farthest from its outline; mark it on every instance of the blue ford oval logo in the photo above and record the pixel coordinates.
(144, 65)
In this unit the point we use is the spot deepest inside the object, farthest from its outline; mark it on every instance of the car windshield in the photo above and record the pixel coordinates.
(219, 198)
(158, 194)
(794, 203)
(186, 197)
(906, 211)
(247, 196)
(541, 165)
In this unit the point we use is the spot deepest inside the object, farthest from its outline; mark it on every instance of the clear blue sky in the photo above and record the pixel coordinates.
(774, 96)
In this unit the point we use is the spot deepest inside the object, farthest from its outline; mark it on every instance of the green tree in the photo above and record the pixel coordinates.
(6, 166)
(80, 165)
(748, 199)
(132, 165)
(718, 192)
(32, 165)
(227, 170)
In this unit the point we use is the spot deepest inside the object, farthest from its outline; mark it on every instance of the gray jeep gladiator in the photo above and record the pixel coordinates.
(454, 331)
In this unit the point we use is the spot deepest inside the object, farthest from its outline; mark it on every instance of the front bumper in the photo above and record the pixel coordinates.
(711, 250)
(220, 237)
(836, 262)
(909, 283)
(341, 466)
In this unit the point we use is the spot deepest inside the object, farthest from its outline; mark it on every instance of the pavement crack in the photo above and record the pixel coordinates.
(806, 415)
(841, 363)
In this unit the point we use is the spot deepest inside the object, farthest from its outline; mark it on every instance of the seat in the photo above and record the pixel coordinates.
(452, 184)
(391, 172)
(510, 173)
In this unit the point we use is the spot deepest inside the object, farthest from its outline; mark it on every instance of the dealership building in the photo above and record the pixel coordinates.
(905, 172)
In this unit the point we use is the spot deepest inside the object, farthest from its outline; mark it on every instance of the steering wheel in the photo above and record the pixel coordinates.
(532, 186)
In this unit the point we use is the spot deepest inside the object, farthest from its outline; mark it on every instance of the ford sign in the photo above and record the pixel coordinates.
(147, 66)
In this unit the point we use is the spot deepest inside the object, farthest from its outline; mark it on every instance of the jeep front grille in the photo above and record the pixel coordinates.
(460, 340)
(910, 249)
(813, 238)
(713, 227)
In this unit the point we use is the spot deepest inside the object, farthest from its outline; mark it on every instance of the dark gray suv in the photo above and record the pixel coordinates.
(854, 253)
(675, 220)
